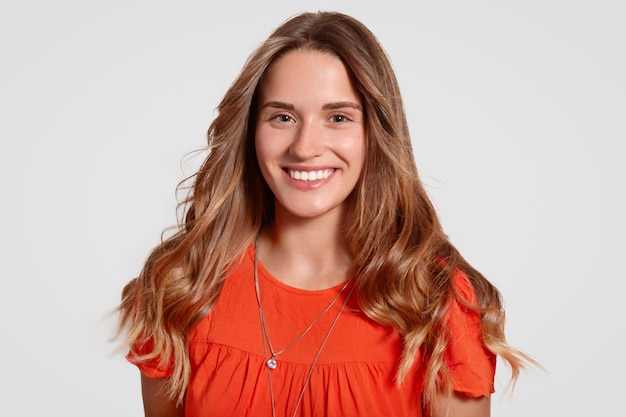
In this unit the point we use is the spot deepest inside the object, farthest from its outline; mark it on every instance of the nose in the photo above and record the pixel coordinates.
(308, 141)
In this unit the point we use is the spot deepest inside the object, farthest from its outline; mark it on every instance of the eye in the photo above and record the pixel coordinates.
(282, 118)
(339, 118)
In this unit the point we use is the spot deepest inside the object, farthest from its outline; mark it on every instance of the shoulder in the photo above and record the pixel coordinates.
(462, 315)
(471, 364)
(463, 287)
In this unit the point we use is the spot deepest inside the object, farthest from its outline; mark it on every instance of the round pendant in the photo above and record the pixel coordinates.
(271, 363)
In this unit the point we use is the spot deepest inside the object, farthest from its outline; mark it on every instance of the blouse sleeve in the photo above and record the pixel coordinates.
(152, 368)
(471, 365)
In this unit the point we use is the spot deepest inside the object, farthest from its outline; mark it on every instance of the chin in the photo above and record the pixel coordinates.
(309, 212)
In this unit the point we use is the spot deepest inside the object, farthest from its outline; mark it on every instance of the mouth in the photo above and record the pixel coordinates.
(315, 175)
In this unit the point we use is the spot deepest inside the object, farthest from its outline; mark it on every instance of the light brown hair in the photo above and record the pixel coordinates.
(402, 258)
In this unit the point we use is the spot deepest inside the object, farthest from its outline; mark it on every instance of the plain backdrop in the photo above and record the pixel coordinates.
(516, 110)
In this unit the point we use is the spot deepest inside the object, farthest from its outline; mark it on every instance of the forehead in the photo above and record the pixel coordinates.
(314, 74)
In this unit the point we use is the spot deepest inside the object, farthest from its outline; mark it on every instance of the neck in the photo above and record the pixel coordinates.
(309, 254)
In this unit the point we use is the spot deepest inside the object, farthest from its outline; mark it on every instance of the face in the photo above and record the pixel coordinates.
(310, 134)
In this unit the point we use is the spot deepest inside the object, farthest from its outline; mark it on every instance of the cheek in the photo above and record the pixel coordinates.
(266, 153)
(353, 149)
(260, 145)
(270, 144)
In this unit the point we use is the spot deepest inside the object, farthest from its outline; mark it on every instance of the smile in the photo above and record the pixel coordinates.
(310, 175)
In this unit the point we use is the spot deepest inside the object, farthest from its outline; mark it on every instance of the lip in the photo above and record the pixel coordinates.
(308, 184)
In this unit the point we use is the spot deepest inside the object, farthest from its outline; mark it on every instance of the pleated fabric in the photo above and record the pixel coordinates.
(354, 374)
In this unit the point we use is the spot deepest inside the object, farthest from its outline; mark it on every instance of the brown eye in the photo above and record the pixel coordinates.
(283, 118)
(338, 118)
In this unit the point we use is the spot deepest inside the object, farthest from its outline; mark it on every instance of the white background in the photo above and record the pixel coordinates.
(517, 117)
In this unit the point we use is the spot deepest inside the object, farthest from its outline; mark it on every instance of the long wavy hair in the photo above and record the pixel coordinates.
(403, 260)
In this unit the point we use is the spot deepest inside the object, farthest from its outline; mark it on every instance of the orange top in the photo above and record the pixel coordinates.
(354, 374)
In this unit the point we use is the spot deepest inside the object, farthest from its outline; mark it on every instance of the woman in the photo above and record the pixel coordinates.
(311, 276)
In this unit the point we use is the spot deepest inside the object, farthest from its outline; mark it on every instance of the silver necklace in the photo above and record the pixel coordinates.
(270, 360)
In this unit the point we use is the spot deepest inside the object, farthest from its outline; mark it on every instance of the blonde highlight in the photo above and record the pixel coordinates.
(403, 260)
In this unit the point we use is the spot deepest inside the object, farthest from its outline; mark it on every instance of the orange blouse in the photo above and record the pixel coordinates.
(354, 373)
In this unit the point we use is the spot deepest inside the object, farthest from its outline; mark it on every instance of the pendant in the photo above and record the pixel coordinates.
(271, 363)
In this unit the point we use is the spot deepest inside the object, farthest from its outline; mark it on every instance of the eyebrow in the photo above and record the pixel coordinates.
(329, 106)
(341, 105)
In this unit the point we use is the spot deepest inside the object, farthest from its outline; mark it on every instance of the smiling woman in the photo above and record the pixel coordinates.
(311, 275)
(310, 135)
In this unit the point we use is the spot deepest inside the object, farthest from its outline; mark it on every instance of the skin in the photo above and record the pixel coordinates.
(310, 119)
(460, 405)
(155, 402)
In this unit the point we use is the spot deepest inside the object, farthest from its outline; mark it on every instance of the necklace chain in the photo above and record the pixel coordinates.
(267, 344)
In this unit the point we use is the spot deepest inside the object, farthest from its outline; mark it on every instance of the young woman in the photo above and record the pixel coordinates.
(311, 276)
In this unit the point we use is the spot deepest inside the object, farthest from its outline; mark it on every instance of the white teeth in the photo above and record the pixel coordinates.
(310, 175)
